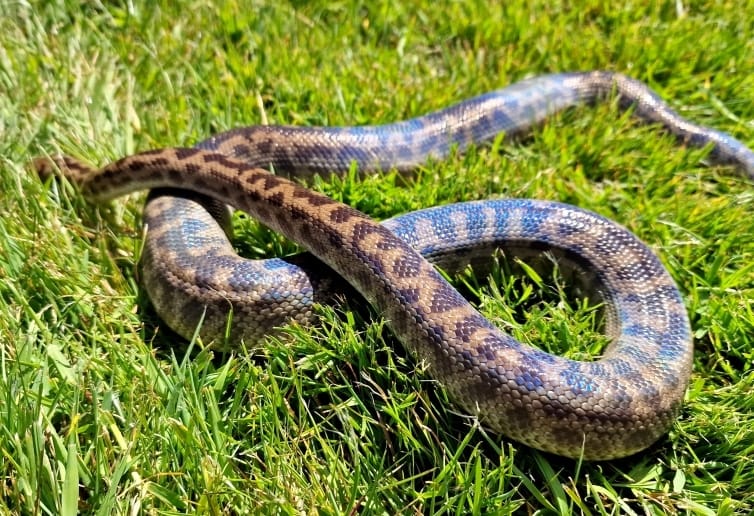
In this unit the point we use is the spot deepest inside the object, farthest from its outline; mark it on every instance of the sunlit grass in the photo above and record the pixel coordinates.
(103, 410)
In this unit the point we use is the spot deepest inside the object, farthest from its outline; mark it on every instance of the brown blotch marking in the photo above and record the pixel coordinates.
(174, 175)
(133, 166)
(342, 214)
(407, 265)
(374, 263)
(410, 295)
(270, 182)
(466, 327)
(265, 146)
(159, 162)
(185, 153)
(276, 199)
(253, 195)
(367, 227)
(108, 177)
(336, 239)
(253, 178)
(241, 149)
(226, 162)
(437, 334)
(486, 351)
(445, 299)
(299, 214)
(313, 198)
(138, 164)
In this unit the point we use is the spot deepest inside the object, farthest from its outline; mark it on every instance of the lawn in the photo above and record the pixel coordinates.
(104, 410)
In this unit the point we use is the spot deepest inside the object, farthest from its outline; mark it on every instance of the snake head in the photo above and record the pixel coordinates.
(71, 168)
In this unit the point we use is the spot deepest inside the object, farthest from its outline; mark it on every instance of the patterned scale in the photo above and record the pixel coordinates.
(607, 408)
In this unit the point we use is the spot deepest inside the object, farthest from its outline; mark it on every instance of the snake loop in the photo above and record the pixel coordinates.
(608, 408)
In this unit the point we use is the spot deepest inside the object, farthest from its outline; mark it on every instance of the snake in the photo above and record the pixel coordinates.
(611, 407)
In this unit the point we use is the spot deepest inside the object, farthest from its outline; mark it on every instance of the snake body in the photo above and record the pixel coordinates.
(608, 408)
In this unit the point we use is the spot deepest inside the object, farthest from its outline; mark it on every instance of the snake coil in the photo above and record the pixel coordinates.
(611, 407)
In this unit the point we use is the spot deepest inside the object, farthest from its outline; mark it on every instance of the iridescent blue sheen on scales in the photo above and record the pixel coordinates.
(608, 408)
(513, 110)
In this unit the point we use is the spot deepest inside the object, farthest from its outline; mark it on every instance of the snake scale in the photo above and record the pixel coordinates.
(608, 408)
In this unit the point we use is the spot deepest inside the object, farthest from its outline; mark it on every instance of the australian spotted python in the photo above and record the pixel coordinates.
(607, 408)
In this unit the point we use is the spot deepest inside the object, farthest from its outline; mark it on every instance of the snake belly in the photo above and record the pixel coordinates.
(608, 408)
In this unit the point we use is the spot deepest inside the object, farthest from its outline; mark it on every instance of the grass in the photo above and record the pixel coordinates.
(102, 410)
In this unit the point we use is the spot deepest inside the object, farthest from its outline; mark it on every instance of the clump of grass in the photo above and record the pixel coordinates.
(102, 410)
